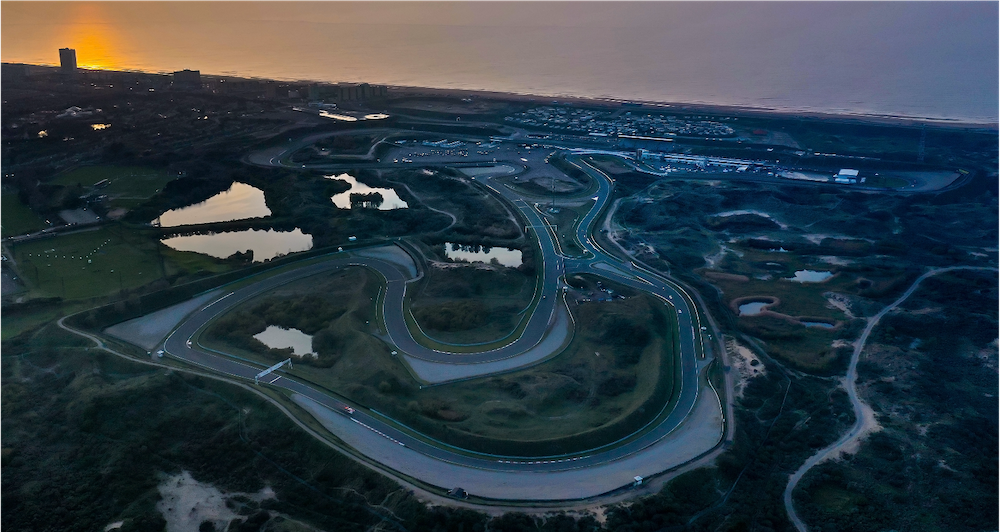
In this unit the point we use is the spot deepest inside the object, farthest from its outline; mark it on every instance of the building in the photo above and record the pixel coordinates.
(346, 92)
(67, 60)
(846, 176)
(187, 79)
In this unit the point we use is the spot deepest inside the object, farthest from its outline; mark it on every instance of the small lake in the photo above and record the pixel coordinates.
(752, 309)
(810, 276)
(821, 324)
(390, 200)
(266, 244)
(507, 257)
(240, 202)
(280, 338)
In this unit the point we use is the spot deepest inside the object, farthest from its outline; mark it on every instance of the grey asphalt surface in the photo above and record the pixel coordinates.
(179, 343)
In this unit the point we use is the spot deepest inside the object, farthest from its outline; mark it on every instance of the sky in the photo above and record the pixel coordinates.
(936, 59)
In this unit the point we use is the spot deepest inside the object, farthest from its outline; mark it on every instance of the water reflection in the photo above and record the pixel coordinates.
(240, 202)
(810, 276)
(389, 201)
(264, 244)
(822, 324)
(475, 253)
(752, 309)
(280, 338)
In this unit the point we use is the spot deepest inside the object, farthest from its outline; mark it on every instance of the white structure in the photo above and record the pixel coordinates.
(846, 176)
(272, 369)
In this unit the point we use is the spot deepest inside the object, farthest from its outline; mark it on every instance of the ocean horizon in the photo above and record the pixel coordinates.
(886, 59)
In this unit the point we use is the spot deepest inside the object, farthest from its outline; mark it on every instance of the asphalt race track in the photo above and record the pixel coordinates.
(182, 343)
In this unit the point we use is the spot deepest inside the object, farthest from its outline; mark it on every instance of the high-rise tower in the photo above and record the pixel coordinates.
(67, 60)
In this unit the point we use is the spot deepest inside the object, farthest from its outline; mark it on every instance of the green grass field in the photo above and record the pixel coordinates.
(99, 262)
(496, 296)
(18, 219)
(598, 390)
(88, 263)
(129, 185)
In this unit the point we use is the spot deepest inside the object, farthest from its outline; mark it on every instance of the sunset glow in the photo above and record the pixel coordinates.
(93, 37)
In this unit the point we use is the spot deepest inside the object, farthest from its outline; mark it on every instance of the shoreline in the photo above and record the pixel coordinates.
(708, 108)
(403, 91)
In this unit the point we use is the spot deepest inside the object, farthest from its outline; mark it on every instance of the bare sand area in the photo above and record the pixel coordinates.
(185, 503)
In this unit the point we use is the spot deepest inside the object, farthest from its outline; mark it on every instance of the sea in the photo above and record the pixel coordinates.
(936, 60)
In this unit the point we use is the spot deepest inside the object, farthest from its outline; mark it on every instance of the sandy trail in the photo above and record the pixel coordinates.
(864, 416)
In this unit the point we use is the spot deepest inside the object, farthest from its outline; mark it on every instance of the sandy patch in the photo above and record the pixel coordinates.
(114, 526)
(840, 302)
(715, 258)
(186, 503)
(838, 261)
(869, 425)
(762, 214)
(745, 363)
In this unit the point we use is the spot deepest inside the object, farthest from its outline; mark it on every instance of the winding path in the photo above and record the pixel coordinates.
(864, 416)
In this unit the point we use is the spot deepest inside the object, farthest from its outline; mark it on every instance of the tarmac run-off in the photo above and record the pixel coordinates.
(693, 428)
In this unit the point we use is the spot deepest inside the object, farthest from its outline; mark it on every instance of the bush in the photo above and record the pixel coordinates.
(453, 316)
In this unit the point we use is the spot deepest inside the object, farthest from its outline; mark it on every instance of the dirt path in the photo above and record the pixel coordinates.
(454, 219)
(864, 416)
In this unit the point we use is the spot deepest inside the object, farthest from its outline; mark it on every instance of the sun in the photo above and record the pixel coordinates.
(94, 38)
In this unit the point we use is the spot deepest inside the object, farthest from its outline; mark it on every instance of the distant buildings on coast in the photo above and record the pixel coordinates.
(346, 92)
(68, 76)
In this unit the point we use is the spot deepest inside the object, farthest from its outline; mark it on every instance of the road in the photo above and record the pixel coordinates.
(182, 342)
(864, 416)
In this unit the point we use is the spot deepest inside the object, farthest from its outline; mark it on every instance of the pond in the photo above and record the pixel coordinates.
(752, 308)
(266, 244)
(280, 338)
(240, 202)
(390, 200)
(476, 253)
(817, 324)
(810, 276)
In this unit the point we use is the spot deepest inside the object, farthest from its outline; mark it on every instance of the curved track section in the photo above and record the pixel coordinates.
(691, 428)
